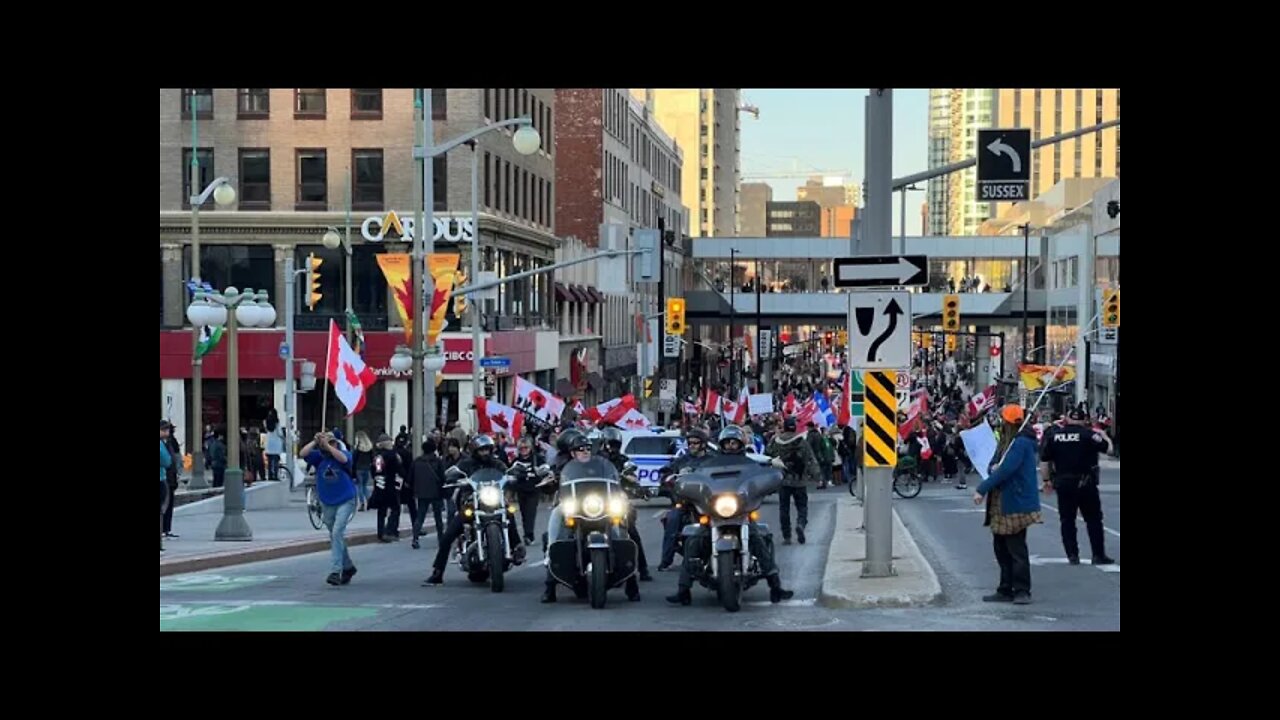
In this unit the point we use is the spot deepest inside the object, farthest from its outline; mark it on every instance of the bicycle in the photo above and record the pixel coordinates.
(315, 511)
(906, 480)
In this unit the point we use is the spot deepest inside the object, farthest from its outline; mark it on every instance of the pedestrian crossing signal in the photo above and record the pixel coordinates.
(951, 312)
(648, 387)
(1111, 309)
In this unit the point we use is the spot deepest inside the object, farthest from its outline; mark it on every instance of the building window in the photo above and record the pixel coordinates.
(499, 95)
(525, 205)
(537, 200)
(205, 156)
(439, 103)
(366, 104)
(253, 103)
(366, 179)
(546, 210)
(440, 182)
(255, 179)
(546, 135)
(203, 100)
(524, 103)
(241, 266)
(309, 102)
(313, 180)
(488, 103)
(487, 195)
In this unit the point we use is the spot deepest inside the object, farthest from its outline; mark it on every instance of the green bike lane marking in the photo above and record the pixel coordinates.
(265, 615)
(211, 583)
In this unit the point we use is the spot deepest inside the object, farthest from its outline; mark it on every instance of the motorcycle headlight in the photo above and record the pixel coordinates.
(617, 506)
(726, 506)
(593, 506)
(569, 506)
(490, 496)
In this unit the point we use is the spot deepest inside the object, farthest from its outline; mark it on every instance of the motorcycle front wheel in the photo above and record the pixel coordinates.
(493, 534)
(730, 586)
(599, 577)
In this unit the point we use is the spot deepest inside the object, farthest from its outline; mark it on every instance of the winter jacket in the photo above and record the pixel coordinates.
(427, 476)
(1016, 476)
(794, 451)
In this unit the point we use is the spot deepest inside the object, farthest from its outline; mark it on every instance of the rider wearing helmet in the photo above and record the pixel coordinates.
(481, 457)
(611, 450)
(733, 444)
(577, 448)
(699, 449)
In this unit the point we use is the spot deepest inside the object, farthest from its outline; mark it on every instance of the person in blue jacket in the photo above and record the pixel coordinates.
(166, 460)
(1013, 505)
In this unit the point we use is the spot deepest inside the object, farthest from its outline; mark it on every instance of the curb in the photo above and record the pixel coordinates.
(210, 561)
(829, 596)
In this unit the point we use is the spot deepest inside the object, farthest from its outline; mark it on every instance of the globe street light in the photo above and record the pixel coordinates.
(251, 309)
(527, 140)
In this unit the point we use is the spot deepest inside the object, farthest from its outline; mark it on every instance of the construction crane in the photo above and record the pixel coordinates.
(748, 107)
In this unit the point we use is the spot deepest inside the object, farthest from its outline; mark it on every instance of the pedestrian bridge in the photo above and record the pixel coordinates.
(712, 307)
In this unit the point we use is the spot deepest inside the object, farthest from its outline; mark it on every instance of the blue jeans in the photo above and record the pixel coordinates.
(335, 518)
(670, 533)
(363, 478)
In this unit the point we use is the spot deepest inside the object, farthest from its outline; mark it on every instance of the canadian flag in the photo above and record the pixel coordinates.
(789, 406)
(690, 409)
(346, 372)
(744, 404)
(984, 400)
(633, 420)
(496, 417)
(613, 411)
(712, 404)
(806, 414)
(844, 409)
(918, 407)
(537, 402)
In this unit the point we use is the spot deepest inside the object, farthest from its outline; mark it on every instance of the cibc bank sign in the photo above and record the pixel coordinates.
(392, 227)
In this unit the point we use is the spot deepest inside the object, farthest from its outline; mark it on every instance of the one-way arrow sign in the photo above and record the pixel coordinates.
(880, 270)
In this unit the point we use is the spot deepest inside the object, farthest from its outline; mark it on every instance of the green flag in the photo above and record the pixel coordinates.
(209, 338)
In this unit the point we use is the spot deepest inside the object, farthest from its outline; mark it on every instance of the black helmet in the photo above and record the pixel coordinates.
(612, 435)
(696, 433)
(481, 442)
(789, 424)
(733, 433)
(569, 439)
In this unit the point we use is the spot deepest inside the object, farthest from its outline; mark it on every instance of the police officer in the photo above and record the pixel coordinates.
(481, 457)
(733, 447)
(611, 450)
(698, 450)
(578, 450)
(1071, 452)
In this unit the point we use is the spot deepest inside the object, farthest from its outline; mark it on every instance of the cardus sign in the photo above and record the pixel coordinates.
(392, 227)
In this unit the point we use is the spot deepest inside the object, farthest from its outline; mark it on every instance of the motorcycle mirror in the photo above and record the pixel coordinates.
(454, 474)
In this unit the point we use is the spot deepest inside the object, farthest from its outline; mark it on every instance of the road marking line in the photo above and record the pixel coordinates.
(1104, 527)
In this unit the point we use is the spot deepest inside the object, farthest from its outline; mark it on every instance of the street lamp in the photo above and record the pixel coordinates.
(902, 224)
(223, 195)
(331, 240)
(251, 309)
(526, 141)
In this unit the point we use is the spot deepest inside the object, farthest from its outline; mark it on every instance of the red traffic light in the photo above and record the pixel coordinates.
(995, 351)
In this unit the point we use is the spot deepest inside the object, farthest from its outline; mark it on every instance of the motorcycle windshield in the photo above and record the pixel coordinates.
(487, 475)
(729, 474)
(597, 468)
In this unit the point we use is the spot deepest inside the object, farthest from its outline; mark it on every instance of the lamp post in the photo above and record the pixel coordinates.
(332, 240)
(251, 310)
(902, 224)
(526, 142)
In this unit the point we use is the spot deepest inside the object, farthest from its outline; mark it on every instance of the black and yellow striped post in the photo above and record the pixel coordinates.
(880, 439)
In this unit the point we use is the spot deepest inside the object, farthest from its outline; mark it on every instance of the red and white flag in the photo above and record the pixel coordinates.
(613, 411)
(806, 414)
(744, 404)
(346, 372)
(789, 406)
(495, 417)
(578, 408)
(633, 420)
(926, 452)
(915, 411)
(537, 402)
(712, 404)
(690, 409)
(844, 411)
(984, 400)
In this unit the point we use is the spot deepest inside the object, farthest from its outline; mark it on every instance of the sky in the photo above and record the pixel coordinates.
(805, 130)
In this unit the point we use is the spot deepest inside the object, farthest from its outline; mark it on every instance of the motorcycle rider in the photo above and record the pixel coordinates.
(481, 457)
(526, 485)
(611, 450)
(733, 445)
(793, 450)
(698, 451)
(577, 448)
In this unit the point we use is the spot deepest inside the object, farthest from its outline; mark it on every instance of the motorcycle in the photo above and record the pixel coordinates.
(725, 496)
(592, 552)
(484, 550)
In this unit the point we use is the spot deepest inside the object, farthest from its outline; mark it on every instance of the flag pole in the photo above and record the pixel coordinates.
(328, 357)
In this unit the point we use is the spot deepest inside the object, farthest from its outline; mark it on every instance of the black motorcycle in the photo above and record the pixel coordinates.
(592, 552)
(488, 510)
(724, 495)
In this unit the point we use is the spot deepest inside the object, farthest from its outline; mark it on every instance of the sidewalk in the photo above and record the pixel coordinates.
(914, 582)
(276, 533)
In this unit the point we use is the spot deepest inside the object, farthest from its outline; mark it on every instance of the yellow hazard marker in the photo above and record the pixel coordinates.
(880, 439)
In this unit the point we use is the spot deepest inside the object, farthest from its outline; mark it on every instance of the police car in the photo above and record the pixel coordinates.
(652, 450)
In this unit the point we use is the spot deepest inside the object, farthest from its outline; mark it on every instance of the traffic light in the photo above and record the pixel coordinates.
(648, 387)
(313, 281)
(951, 312)
(829, 339)
(1111, 309)
(951, 343)
(843, 338)
(675, 316)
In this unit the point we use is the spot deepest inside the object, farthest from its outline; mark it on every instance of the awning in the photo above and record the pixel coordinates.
(595, 294)
(565, 389)
(562, 293)
(580, 293)
(595, 381)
